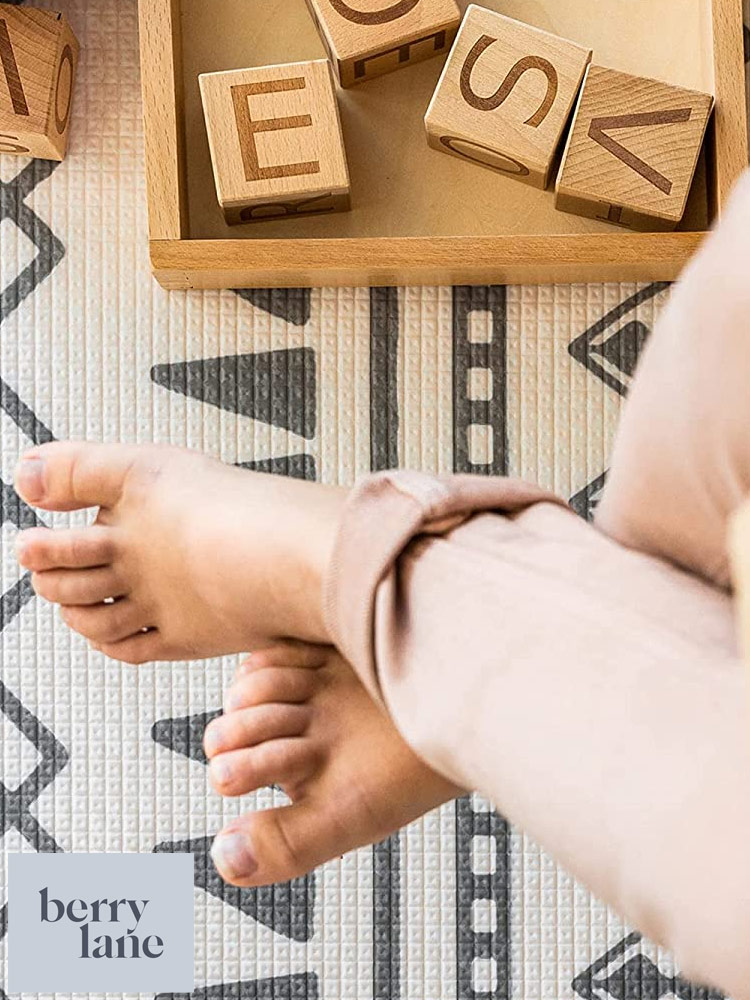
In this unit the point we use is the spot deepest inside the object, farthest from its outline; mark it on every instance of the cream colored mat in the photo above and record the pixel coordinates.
(327, 384)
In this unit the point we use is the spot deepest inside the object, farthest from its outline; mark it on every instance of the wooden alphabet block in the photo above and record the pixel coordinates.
(505, 95)
(632, 151)
(366, 43)
(38, 60)
(276, 144)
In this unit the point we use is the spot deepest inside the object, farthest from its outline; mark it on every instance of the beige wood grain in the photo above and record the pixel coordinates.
(280, 263)
(632, 150)
(729, 140)
(37, 76)
(163, 118)
(275, 139)
(505, 95)
(400, 187)
(420, 217)
(364, 43)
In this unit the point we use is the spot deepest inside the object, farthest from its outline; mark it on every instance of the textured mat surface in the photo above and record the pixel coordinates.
(321, 384)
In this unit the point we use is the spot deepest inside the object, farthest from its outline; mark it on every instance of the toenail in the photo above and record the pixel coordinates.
(211, 741)
(30, 479)
(22, 545)
(233, 855)
(245, 666)
(232, 701)
(221, 771)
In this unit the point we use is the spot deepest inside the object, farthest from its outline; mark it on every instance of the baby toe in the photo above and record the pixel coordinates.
(274, 684)
(78, 587)
(281, 762)
(106, 623)
(285, 654)
(71, 475)
(248, 727)
(40, 549)
(276, 845)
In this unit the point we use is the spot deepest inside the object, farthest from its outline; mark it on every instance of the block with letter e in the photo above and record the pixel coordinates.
(633, 150)
(38, 60)
(276, 144)
(505, 95)
(364, 42)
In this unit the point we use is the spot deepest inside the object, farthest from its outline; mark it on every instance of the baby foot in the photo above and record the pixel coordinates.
(188, 557)
(298, 717)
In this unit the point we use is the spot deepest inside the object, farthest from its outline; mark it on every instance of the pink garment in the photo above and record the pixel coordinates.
(682, 459)
(594, 693)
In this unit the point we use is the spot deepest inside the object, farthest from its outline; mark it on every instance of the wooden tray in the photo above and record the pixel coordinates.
(419, 217)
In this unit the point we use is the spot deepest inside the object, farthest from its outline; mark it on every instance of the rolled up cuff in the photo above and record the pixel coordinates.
(384, 513)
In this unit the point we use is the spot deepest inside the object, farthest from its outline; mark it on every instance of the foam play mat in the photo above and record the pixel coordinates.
(321, 384)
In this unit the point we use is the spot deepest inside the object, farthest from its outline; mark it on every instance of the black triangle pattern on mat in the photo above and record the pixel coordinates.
(298, 986)
(276, 387)
(625, 973)
(279, 388)
(184, 735)
(296, 466)
(290, 304)
(287, 908)
(611, 347)
(584, 502)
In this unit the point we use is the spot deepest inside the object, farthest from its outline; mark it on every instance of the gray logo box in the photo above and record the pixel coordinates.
(78, 923)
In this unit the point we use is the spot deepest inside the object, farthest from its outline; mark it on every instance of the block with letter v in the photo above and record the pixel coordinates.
(633, 150)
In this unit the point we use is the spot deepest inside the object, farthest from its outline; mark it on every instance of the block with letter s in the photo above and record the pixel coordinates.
(505, 95)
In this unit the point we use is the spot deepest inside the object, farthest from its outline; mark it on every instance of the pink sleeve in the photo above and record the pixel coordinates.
(594, 694)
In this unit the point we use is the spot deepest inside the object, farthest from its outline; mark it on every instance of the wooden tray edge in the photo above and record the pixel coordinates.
(183, 264)
(730, 115)
(161, 92)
